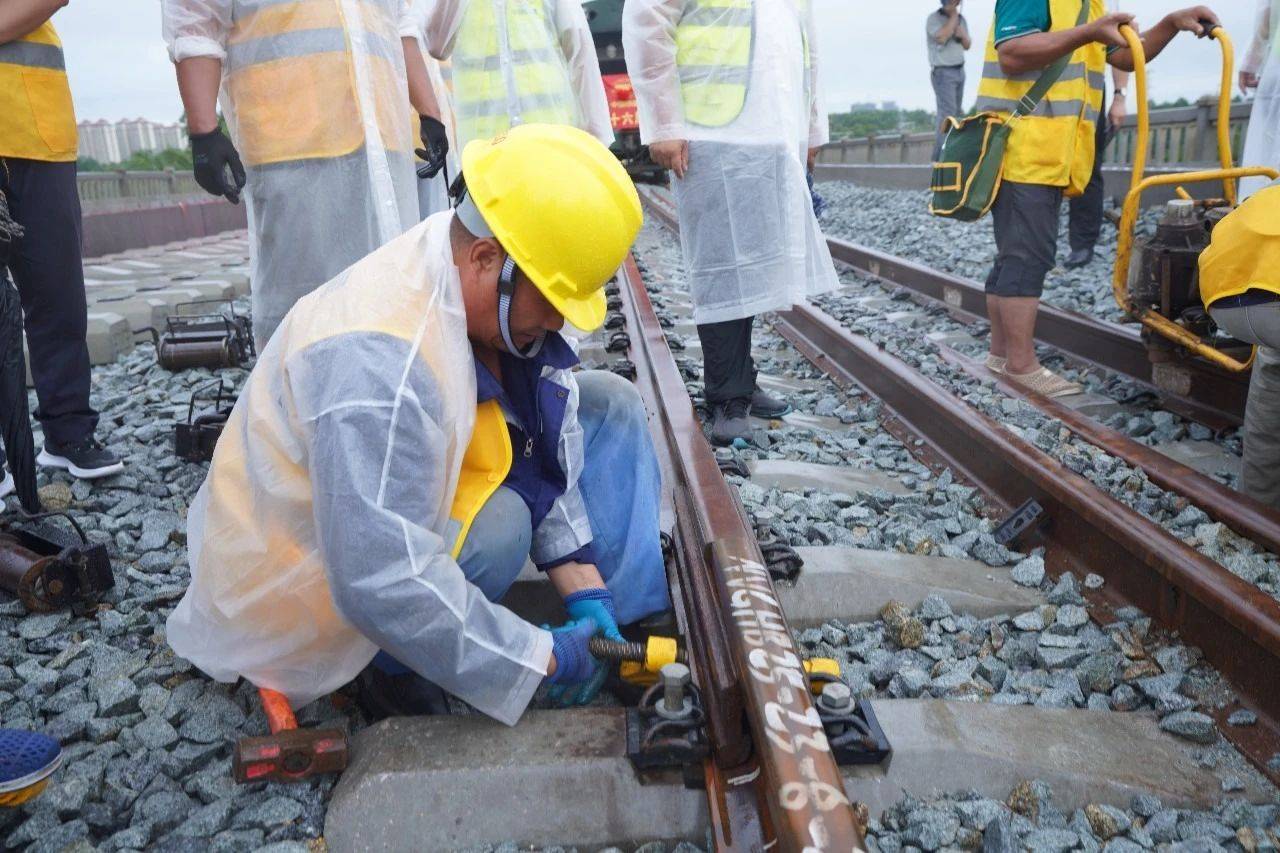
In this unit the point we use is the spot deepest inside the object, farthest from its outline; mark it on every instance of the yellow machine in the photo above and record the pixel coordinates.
(1160, 288)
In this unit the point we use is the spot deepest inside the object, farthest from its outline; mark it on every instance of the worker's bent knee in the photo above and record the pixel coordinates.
(497, 545)
(607, 397)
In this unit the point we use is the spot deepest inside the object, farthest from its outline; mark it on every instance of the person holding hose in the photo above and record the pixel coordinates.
(1050, 153)
(321, 133)
(414, 434)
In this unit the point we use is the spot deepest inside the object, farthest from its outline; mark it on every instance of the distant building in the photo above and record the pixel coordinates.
(889, 106)
(866, 107)
(114, 141)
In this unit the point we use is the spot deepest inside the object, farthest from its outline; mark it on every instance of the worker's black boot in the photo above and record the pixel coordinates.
(1078, 258)
(729, 422)
(765, 405)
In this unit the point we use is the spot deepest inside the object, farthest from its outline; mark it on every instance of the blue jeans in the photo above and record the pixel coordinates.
(622, 489)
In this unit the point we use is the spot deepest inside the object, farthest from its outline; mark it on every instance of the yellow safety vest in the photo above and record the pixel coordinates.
(1244, 253)
(484, 466)
(37, 119)
(509, 70)
(295, 84)
(713, 55)
(1053, 146)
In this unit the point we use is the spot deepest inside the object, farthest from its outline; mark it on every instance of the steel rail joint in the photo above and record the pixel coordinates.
(803, 789)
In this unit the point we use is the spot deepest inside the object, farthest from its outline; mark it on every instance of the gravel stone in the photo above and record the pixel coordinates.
(1242, 717)
(1191, 725)
(1050, 841)
(269, 814)
(115, 696)
(1105, 821)
(155, 733)
(1092, 581)
(1029, 572)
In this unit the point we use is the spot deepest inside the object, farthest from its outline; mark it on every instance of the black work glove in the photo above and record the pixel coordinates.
(216, 165)
(436, 140)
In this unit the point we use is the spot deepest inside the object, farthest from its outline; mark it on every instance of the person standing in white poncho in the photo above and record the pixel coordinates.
(727, 98)
(1260, 71)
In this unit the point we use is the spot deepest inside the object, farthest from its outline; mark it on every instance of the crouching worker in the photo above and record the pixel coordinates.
(413, 434)
(1240, 285)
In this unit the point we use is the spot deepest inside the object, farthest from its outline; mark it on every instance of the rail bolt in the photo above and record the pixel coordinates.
(836, 698)
(675, 703)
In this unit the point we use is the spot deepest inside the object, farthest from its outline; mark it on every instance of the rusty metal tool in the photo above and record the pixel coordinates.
(288, 754)
(47, 567)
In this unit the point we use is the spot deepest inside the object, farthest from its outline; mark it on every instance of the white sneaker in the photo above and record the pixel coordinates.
(7, 485)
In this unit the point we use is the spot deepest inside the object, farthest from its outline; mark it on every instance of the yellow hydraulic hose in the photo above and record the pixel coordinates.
(1129, 213)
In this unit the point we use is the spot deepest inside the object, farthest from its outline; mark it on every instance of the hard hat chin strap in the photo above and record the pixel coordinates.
(506, 291)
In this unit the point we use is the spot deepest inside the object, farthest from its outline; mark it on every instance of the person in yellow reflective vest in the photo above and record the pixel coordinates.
(1240, 286)
(1050, 152)
(414, 435)
(727, 93)
(517, 62)
(322, 136)
(38, 180)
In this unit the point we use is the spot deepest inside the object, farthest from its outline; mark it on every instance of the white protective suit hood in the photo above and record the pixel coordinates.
(318, 536)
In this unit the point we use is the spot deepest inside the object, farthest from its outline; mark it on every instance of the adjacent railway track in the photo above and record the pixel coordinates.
(1083, 529)
(1194, 388)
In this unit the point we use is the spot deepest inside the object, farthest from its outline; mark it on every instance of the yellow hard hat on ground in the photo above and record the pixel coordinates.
(1244, 253)
(562, 207)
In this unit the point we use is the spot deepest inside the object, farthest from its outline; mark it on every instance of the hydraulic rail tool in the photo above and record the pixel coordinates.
(1159, 287)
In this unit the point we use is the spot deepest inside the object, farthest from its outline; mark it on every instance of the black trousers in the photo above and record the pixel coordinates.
(728, 371)
(47, 270)
(1084, 217)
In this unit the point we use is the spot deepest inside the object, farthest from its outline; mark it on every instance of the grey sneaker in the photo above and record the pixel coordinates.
(729, 421)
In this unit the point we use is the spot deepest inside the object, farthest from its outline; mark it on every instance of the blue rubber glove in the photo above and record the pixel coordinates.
(578, 676)
(597, 605)
(574, 663)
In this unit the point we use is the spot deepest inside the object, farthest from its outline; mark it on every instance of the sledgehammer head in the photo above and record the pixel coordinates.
(290, 755)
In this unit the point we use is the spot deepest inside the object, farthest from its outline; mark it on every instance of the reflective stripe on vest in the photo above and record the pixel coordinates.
(714, 43)
(293, 84)
(508, 69)
(37, 119)
(1053, 145)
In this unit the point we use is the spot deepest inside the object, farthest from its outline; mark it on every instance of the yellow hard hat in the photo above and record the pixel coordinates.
(1244, 253)
(562, 207)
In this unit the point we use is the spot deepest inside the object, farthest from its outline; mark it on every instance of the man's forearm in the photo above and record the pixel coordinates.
(948, 30)
(1153, 40)
(198, 80)
(569, 578)
(1037, 51)
(19, 17)
(421, 93)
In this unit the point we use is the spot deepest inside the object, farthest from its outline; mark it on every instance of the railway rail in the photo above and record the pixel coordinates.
(772, 776)
(1083, 529)
(1194, 388)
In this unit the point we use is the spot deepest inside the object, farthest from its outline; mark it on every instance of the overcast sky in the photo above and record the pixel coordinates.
(119, 69)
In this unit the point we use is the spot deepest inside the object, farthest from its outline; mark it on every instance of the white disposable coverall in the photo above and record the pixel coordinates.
(353, 188)
(751, 242)
(440, 21)
(1262, 145)
(319, 536)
